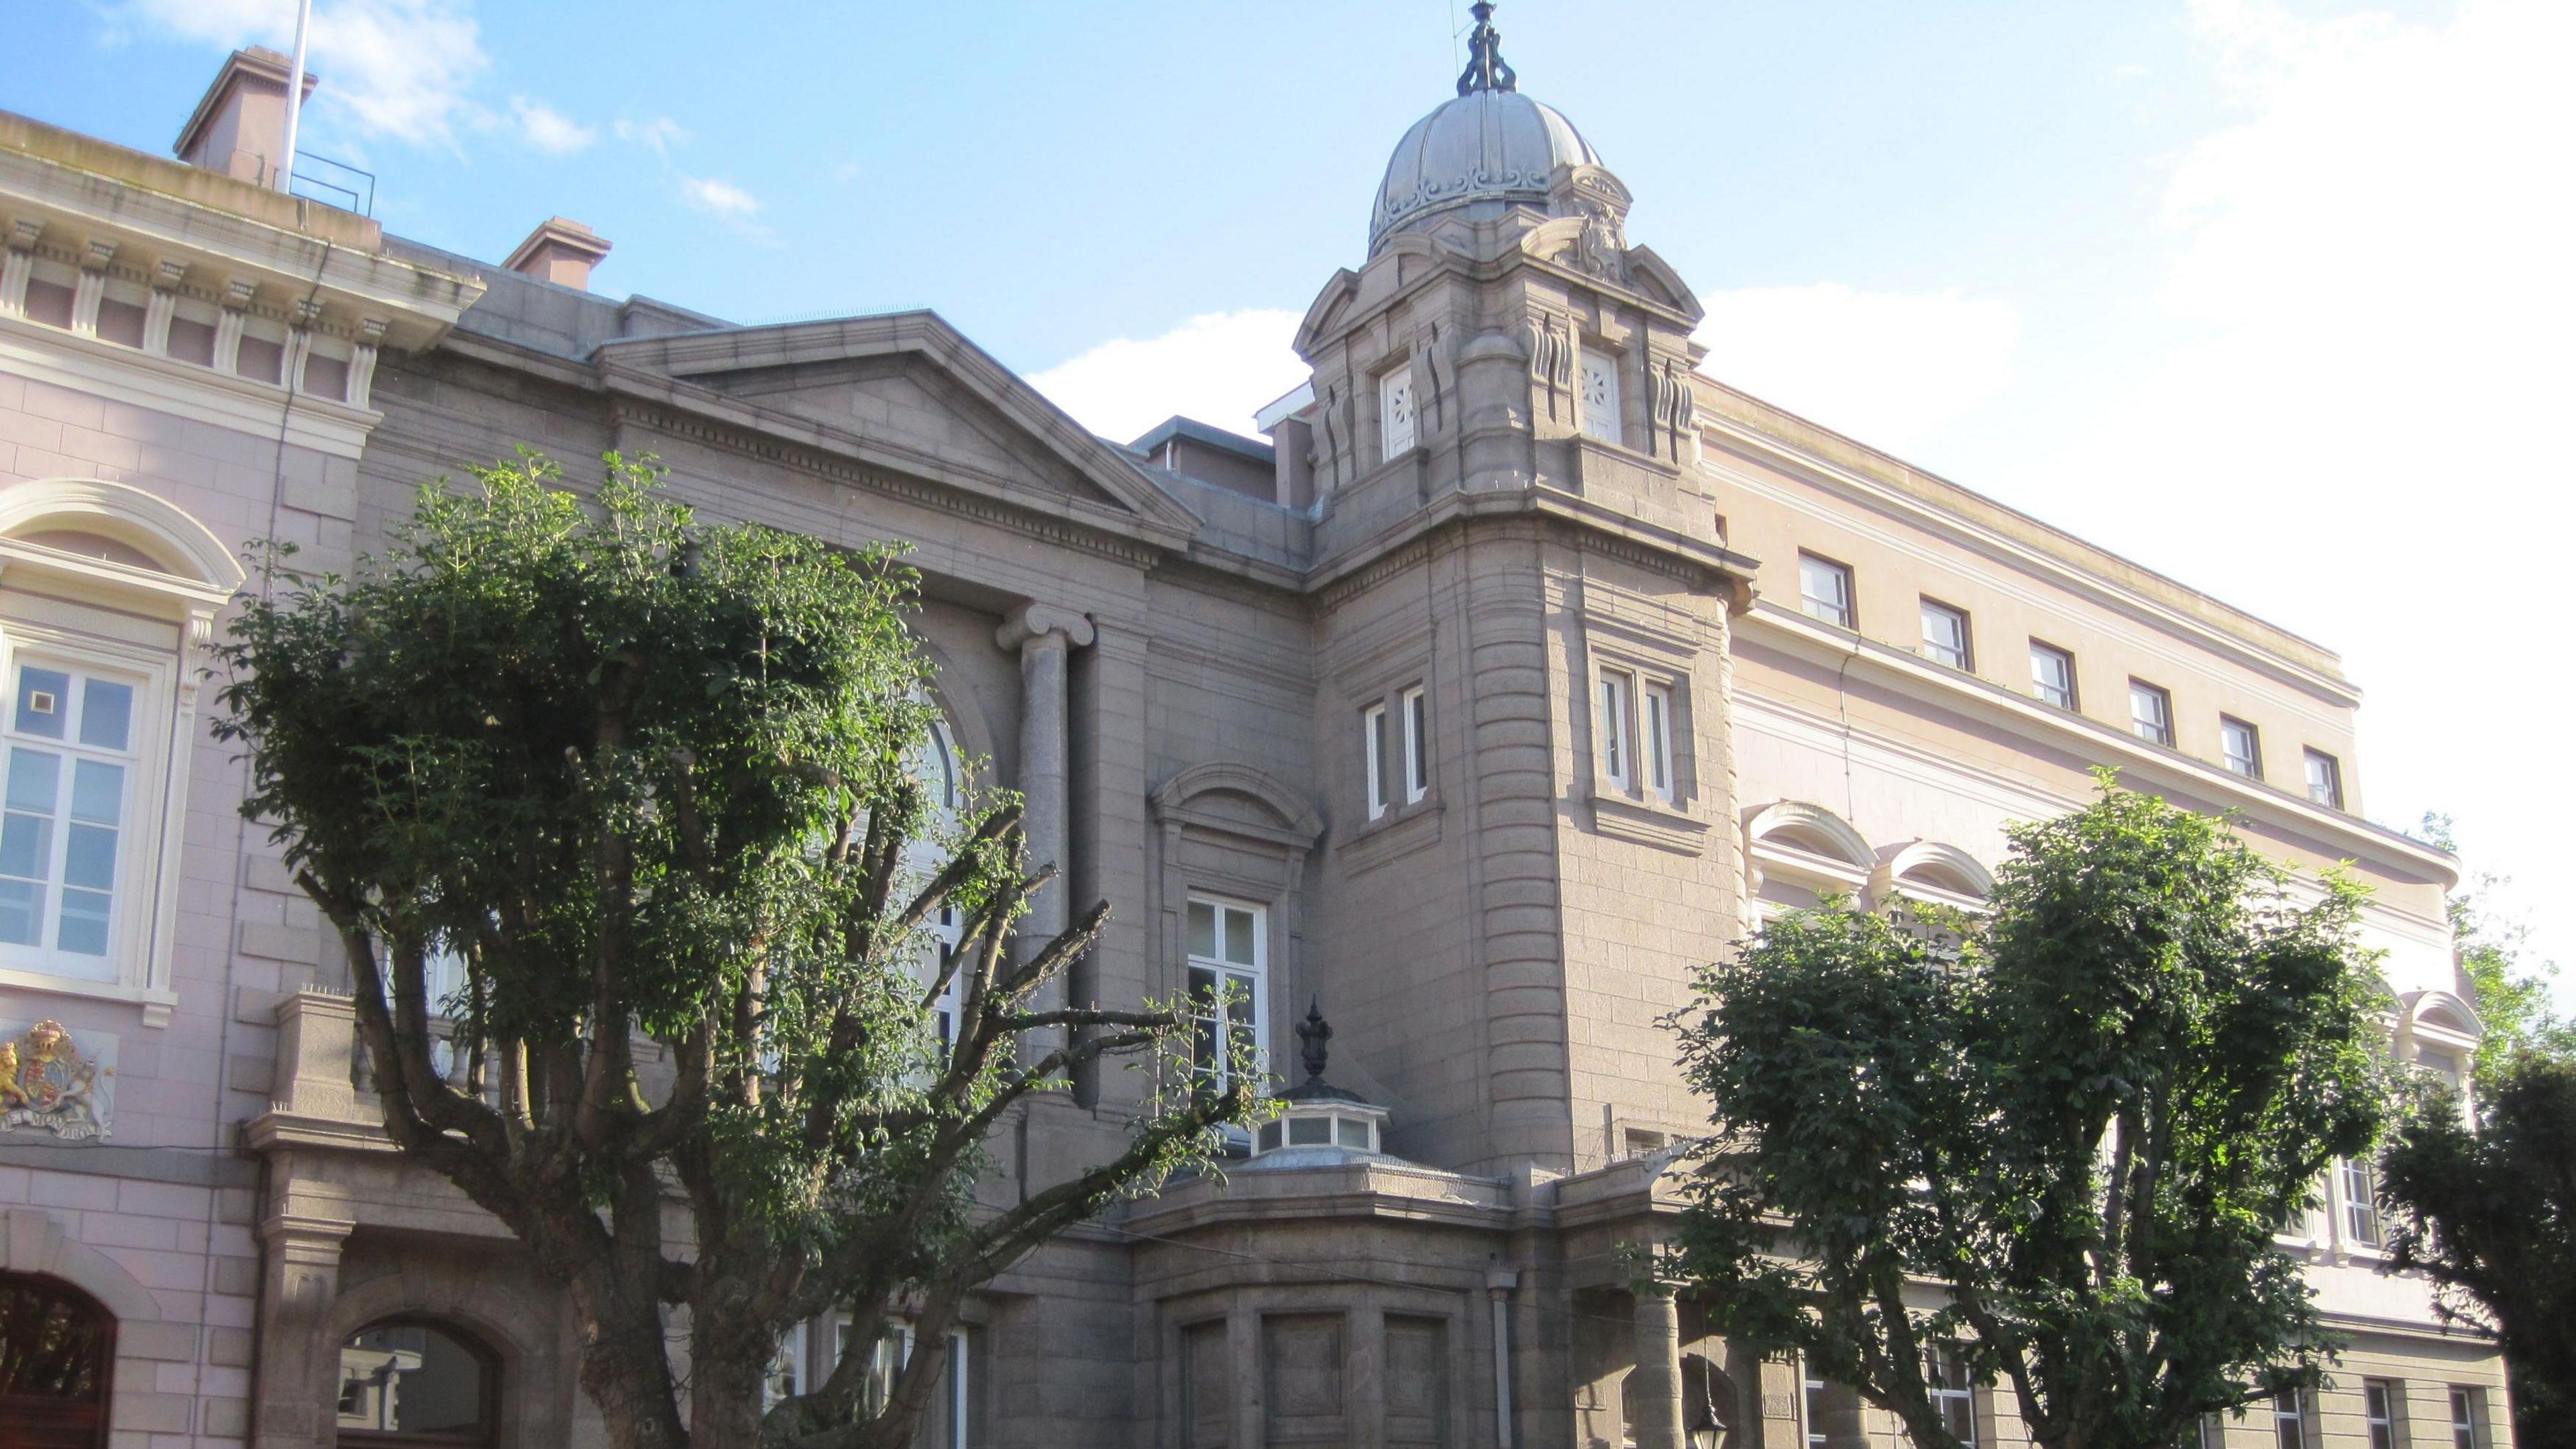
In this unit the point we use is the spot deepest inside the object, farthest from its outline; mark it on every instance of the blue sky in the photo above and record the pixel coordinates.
(2271, 295)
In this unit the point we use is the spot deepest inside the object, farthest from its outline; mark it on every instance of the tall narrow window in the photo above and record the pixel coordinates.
(1417, 745)
(1373, 744)
(2325, 780)
(1600, 382)
(2151, 713)
(1228, 971)
(2361, 1201)
(70, 742)
(2213, 1431)
(1945, 635)
(1614, 728)
(1655, 739)
(1825, 590)
(1396, 412)
(2242, 746)
(2379, 1412)
(2467, 1407)
(1954, 1398)
(1815, 1407)
(2052, 675)
(2290, 1419)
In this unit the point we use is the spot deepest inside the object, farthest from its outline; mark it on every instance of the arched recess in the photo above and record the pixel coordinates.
(1928, 870)
(508, 1312)
(1796, 852)
(2439, 1032)
(175, 542)
(57, 1364)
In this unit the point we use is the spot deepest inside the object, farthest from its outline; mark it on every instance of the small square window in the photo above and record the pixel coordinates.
(1396, 416)
(2052, 675)
(1417, 746)
(2325, 780)
(1945, 635)
(2151, 713)
(1614, 728)
(1825, 590)
(2243, 747)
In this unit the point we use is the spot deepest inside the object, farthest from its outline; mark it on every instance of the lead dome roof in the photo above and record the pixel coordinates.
(1485, 145)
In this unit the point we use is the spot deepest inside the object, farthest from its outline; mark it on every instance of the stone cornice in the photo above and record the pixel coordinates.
(1701, 565)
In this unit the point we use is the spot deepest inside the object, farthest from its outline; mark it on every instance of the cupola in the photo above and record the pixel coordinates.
(1315, 1114)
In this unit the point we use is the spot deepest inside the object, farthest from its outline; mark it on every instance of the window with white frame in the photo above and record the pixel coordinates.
(2213, 1431)
(2468, 1410)
(935, 766)
(2325, 780)
(1396, 416)
(2290, 1419)
(1228, 979)
(1375, 743)
(1417, 744)
(2360, 1201)
(2241, 746)
(1616, 691)
(2151, 713)
(1655, 738)
(1954, 1397)
(1814, 1407)
(1945, 635)
(2379, 1400)
(1599, 379)
(1825, 590)
(72, 747)
(2052, 675)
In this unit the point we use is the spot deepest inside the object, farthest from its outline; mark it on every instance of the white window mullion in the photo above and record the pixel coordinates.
(1417, 746)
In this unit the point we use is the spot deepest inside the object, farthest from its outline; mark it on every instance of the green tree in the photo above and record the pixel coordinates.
(2513, 999)
(2053, 1142)
(646, 780)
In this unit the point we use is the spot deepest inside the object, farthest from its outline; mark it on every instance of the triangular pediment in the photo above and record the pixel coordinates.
(908, 392)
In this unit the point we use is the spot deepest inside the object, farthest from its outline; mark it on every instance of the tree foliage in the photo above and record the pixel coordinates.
(2513, 997)
(2058, 1137)
(651, 786)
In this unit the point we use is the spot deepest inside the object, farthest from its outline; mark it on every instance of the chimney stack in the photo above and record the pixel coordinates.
(561, 251)
(239, 128)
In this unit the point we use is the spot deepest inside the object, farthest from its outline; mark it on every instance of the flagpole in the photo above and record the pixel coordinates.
(294, 96)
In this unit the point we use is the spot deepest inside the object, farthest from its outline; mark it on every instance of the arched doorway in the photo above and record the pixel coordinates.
(415, 1382)
(57, 1361)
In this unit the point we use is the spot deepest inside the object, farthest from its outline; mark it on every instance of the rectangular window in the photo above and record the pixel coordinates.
(1954, 1398)
(2325, 780)
(1599, 378)
(1227, 966)
(2151, 713)
(1374, 745)
(2242, 746)
(2290, 1419)
(1395, 411)
(2379, 1412)
(70, 758)
(1655, 739)
(1417, 745)
(2468, 1406)
(1813, 1410)
(2052, 675)
(1614, 728)
(2361, 1201)
(1825, 590)
(1945, 635)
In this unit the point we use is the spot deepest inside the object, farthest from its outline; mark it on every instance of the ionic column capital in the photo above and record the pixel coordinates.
(1034, 622)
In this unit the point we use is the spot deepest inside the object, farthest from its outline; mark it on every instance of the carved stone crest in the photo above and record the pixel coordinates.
(47, 1081)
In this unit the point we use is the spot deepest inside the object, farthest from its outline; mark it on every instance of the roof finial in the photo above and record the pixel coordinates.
(1485, 68)
(1312, 1033)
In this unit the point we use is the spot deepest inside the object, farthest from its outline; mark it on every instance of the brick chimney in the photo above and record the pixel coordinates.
(561, 251)
(240, 126)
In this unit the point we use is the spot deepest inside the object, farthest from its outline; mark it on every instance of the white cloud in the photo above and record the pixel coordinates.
(550, 130)
(2355, 430)
(657, 135)
(402, 68)
(1890, 368)
(719, 198)
(1216, 367)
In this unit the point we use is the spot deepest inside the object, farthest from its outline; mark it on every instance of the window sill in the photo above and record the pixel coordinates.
(1402, 830)
(1646, 820)
(157, 1003)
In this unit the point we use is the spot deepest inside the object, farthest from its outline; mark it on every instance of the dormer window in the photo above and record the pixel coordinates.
(1396, 411)
(1598, 377)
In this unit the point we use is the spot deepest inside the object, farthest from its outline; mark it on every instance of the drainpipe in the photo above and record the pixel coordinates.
(1499, 1283)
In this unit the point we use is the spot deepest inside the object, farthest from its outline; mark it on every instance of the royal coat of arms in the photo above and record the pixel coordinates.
(47, 1081)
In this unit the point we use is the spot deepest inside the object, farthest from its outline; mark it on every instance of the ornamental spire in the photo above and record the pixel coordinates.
(1486, 70)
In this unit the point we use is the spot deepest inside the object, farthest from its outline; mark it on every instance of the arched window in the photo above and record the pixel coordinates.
(57, 1357)
(1798, 853)
(936, 765)
(413, 1382)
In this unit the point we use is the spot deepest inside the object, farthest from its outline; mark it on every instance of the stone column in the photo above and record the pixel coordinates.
(299, 1356)
(1499, 1283)
(1043, 636)
(1655, 1387)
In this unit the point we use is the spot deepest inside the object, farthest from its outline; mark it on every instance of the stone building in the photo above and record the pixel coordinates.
(1518, 668)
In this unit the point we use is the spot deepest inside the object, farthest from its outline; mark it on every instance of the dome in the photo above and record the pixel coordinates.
(1486, 145)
